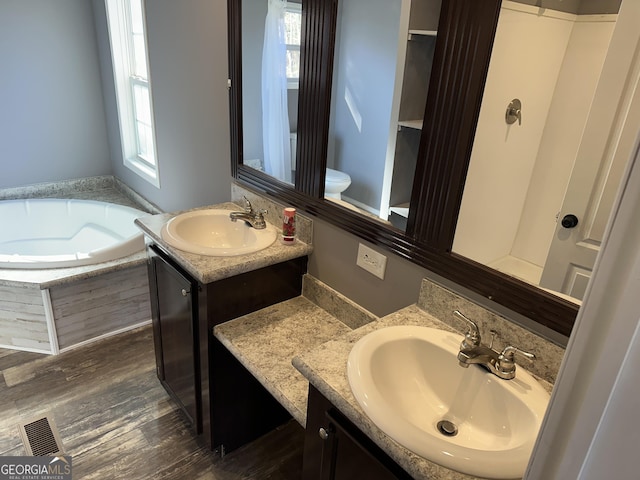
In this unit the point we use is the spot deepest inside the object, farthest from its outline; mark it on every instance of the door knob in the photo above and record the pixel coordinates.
(569, 221)
(514, 112)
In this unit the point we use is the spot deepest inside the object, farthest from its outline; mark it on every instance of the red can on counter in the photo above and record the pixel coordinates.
(289, 225)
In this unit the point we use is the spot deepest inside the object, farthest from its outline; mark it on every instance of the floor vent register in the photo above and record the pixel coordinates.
(41, 438)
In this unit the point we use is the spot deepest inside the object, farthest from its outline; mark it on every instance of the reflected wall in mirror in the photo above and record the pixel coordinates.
(565, 157)
(271, 36)
(382, 64)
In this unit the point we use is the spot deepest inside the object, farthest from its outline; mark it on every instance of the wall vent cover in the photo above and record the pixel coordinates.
(40, 437)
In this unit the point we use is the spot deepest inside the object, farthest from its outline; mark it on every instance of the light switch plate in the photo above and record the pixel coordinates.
(372, 261)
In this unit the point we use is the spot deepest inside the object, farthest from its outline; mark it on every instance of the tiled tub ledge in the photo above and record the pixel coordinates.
(55, 309)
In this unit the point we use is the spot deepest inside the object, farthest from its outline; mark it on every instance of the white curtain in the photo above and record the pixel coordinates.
(275, 114)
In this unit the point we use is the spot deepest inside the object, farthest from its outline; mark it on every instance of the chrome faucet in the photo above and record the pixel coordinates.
(254, 218)
(473, 352)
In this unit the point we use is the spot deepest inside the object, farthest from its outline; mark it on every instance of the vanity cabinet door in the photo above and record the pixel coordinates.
(176, 335)
(335, 449)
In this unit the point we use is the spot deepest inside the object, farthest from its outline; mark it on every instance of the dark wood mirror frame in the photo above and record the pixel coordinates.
(461, 60)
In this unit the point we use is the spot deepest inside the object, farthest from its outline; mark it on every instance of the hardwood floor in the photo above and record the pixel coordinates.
(117, 421)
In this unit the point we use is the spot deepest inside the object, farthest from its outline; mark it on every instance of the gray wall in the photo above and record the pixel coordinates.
(333, 262)
(364, 67)
(52, 121)
(187, 45)
(253, 16)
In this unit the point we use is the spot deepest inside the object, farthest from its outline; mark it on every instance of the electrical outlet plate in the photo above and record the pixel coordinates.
(372, 261)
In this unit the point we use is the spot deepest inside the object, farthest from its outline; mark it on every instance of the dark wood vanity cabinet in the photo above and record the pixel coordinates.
(335, 449)
(175, 335)
(220, 398)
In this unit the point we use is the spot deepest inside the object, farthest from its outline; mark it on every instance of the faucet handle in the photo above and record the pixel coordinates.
(248, 208)
(506, 363)
(258, 219)
(472, 337)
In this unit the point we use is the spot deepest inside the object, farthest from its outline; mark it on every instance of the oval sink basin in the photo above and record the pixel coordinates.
(211, 232)
(408, 381)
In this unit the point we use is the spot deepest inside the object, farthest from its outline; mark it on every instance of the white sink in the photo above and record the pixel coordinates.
(407, 380)
(211, 232)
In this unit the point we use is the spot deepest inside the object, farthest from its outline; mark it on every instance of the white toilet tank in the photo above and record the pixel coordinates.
(335, 181)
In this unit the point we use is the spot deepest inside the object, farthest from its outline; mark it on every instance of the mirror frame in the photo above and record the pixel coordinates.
(461, 61)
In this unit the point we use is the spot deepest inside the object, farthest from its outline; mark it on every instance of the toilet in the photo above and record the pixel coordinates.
(335, 182)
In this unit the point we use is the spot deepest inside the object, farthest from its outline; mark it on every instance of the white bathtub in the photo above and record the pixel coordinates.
(50, 233)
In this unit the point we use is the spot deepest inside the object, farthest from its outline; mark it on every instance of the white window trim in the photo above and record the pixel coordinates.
(117, 21)
(293, 84)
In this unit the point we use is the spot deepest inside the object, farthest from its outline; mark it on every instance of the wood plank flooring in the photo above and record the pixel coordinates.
(117, 421)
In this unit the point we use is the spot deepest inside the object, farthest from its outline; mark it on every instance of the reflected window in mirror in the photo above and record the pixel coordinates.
(538, 167)
(382, 65)
(271, 37)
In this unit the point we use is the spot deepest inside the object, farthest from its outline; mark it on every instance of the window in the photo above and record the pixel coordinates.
(133, 90)
(293, 33)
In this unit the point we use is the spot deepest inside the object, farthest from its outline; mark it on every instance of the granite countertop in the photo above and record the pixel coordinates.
(294, 343)
(265, 342)
(326, 368)
(207, 269)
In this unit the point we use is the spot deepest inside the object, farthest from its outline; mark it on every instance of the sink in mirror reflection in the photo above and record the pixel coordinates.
(408, 381)
(211, 232)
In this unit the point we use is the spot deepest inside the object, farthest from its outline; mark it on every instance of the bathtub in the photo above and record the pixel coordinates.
(52, 233)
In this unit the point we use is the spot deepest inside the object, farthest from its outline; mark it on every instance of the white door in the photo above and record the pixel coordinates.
(607, 143)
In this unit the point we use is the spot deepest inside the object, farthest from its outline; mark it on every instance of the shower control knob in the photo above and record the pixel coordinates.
(569, 221)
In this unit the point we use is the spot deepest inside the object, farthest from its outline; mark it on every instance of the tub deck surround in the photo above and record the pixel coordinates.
(34, 302)
(106, 188)
(208, 269)
(265, 342)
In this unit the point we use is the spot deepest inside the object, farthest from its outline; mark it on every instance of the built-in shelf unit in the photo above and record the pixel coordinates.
(417, 52)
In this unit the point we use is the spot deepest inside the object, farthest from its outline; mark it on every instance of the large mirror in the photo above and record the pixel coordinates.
(271, 36)
(546, 161)
(453, 104)
(381, 70)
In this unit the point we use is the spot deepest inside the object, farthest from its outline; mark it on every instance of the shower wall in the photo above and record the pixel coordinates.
(518, 173)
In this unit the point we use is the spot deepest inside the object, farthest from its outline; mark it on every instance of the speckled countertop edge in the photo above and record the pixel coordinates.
(264, 342)
(326, 368)
(208, 269)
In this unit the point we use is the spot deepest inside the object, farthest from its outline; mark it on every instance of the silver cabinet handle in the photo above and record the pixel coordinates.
(324, 434)
(185, 292)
